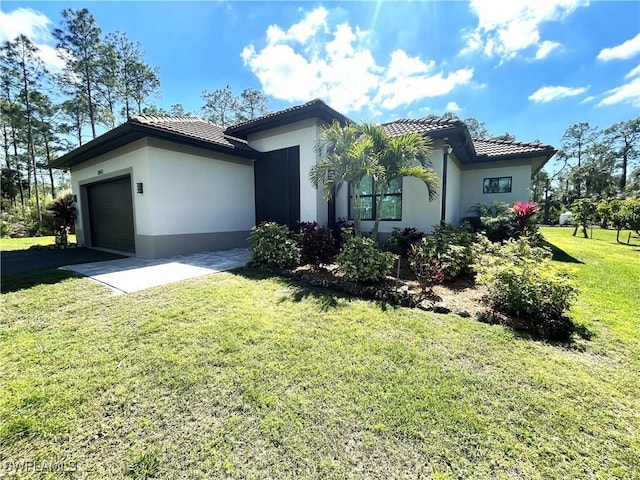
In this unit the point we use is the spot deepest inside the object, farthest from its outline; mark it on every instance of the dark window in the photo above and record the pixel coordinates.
(391, 202)
(497, 185)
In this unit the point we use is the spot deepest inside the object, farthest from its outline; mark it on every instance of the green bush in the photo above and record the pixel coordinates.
(451, 248)
(274, 245)
(361, 260)
(523, 282)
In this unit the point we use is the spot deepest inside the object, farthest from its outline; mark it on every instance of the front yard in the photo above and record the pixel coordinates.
(245, 375)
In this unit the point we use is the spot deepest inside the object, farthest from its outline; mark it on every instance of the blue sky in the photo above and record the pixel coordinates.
(529, 68)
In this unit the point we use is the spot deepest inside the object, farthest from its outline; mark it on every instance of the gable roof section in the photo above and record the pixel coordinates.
(469, 150)
(313, 109)
(184, 130)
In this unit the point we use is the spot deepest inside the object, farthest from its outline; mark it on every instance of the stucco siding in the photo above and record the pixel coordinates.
(193, 193)
(130, 159)
(303, 134)
(471, 187)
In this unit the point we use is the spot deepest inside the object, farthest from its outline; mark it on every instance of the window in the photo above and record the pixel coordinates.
(391, 202)
(497, 185)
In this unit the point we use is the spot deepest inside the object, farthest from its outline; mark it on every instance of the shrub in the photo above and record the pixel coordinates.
(523, 282)
(450, 247)
(342, 230)
(274, 245)
(64, 217)
(426, 268)
(522, 214)
(317, 245)
(361, 260)
(402, 239)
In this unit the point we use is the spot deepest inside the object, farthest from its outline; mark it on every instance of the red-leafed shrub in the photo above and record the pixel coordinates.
(522, 214)
(317, 244)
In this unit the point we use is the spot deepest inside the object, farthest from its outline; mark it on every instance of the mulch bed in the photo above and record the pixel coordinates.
(461, 296)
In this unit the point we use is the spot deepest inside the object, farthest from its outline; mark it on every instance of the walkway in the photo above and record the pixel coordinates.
(134, 274)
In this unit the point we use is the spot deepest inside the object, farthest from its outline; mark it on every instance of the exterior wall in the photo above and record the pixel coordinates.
(417, 210)
(313, 207)
(472, 180)
(130, 159)
(193, 200)
(454, 177)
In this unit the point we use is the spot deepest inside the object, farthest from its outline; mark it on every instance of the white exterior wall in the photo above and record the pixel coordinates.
(472, 181)
(198, 194)
(454, 177)
(135, 157)
(313, 208)
(417, 210)
(193, 199)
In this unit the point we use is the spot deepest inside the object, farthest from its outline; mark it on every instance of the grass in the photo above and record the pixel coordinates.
(7, 244)
(245, 375)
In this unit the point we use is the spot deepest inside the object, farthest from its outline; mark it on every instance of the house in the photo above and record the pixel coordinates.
(159, 186)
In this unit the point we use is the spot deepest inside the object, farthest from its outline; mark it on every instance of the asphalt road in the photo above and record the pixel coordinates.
(22, 261)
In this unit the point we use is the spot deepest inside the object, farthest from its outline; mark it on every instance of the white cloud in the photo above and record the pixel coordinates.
(624, 51)
(546, 48)
(628, 93)
(35, 26)
(452, 107)
(588, 99)
(313, 58)
(633, 73)
(547, 94)
(507, 28)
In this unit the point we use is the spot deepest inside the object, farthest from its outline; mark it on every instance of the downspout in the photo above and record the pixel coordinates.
(445, 161)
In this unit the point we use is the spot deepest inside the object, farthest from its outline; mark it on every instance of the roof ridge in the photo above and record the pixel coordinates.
(500, 141)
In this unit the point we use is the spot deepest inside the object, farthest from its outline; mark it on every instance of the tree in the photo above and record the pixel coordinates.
(624, 139)
(346, 157)
(476, 128)
(505, 137)
(220, 106)
(81, 48)
(401, 156)
(145, 83)
(575, 142)
(21, 58)
(177, 110)
(252, 104)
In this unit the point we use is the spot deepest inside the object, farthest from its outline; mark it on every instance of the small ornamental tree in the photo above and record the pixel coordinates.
(64, 215)
(583, 212)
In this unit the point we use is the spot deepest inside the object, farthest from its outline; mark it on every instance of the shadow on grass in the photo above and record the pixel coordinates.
(326, 298)
(22, 281)
(560, 255)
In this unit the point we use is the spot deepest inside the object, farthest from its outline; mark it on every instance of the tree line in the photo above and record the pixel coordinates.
(44, 114)
(596, 164)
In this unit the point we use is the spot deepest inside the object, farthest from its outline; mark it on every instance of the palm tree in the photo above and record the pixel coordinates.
(401, 156)
(346, 157)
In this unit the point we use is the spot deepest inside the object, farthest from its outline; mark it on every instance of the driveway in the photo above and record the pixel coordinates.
(133, 274)
(23, 261)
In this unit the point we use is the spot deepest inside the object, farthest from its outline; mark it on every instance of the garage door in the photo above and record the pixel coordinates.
(111, 214)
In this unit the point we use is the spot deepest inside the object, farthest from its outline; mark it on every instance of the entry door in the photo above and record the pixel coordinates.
(277, 182)
(111, 214)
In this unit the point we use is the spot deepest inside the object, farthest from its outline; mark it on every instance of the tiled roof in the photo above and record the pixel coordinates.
(192, 127)
(421, 125)
(314, 108)
(501, 148)
(482, 147)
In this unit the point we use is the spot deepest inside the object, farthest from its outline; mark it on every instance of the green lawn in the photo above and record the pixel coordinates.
(244, 375)
(7, 244)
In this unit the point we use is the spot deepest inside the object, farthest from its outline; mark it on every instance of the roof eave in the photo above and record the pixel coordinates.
(130, 132)
(318, 110)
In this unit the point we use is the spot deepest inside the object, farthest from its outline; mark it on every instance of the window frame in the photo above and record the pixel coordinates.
(486, 182)
(374, 204)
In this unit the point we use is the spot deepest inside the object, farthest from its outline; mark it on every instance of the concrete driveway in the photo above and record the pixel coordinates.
(23, 261)
(133, 274)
